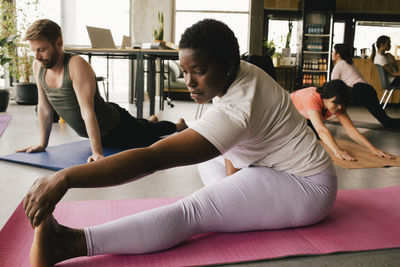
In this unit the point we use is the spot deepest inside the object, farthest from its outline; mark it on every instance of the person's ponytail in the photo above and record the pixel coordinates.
(383, 39)
(373, 53)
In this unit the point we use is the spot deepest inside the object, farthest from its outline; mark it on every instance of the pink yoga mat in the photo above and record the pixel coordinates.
(364, 219)
(4, 120)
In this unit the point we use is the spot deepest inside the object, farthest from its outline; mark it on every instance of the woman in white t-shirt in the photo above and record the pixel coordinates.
(362, 93)
(384, 59)
(271, 172)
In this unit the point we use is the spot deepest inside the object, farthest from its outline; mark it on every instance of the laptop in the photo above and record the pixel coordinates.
(126, 42)
(100, 37)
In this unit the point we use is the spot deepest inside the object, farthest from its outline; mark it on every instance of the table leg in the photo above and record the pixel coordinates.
(139, 88)
(132, 77)
(152, 84)
(162, 84)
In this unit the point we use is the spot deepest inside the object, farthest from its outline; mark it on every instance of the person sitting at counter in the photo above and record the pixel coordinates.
(386, 60)
(362, 93)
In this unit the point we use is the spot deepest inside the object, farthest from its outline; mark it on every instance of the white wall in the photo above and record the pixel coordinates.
(144, 19)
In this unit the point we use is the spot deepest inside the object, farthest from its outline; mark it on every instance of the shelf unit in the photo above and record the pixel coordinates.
(314, 53)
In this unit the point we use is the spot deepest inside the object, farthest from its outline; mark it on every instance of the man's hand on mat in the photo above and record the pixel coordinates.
(43, 196)
(35, 148)
(344, 155)
(379, 153)
(95, 157)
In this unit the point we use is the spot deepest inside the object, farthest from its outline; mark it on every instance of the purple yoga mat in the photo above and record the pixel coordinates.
(366, 219)
(4, 120)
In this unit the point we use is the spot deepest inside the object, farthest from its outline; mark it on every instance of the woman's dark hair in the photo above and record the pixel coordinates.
(344, 51)
(215, 39)
(335, 88)
(383, 39)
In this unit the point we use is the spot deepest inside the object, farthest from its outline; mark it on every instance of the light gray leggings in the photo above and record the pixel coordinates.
(254, 198)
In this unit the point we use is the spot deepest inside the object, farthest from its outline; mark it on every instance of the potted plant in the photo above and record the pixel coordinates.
(286, 49)
(22, 59)
(26, 91)
(4, 60)
(158, 33)
(268, 48)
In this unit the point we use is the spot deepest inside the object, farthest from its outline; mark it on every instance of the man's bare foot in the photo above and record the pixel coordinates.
(54, 243)
(181, 125)
(153, 118)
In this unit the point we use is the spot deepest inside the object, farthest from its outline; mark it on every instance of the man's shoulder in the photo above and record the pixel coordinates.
(76, 59)
(78, 65)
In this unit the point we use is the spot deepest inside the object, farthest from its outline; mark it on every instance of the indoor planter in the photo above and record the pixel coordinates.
(26, 92)
(158, 33)
(22, 59)
(4, 60)
(268, 48)
(4, 99)
(286, 49)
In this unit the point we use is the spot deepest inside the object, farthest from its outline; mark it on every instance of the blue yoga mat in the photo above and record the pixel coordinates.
(59, 157)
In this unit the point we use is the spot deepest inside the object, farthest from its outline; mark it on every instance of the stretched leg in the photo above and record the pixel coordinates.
(365, 94)
(137, 132)
(180, 125)
(251, 199)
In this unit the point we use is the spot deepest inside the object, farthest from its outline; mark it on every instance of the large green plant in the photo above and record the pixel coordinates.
(15, 21)
(289, 34)
(8, 28)
(4, 58)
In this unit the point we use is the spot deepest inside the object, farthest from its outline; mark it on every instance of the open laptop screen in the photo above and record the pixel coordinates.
(100, 37)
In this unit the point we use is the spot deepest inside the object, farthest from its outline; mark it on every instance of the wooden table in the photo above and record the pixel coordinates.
(136, 78)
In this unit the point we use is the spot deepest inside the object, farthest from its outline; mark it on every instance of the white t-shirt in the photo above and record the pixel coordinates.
(256, 124)
(349, 74)
(382, 60)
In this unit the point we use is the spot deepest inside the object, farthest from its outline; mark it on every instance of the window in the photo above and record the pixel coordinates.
(45, 9)
(235, 13)
(338, 32)
(374, 30)
(113, 15)
(278, 30)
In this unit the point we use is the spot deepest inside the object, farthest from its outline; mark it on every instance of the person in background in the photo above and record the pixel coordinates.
(276, 174)
(386, 60)
(68, 84)
(362, 93)
(317, 104)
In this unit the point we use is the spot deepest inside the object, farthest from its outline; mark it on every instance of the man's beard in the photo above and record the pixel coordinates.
(49, 63)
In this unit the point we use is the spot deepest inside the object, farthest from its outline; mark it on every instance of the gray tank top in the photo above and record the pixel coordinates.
(65, 103)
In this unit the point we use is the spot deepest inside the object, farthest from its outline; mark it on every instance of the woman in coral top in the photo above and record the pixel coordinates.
(319, 104)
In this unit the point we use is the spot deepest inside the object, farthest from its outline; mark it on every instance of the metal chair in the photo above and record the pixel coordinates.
(385, 85)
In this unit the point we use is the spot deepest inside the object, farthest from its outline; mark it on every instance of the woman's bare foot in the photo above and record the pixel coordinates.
(181, 125)
(54, 243)
(153, 118)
